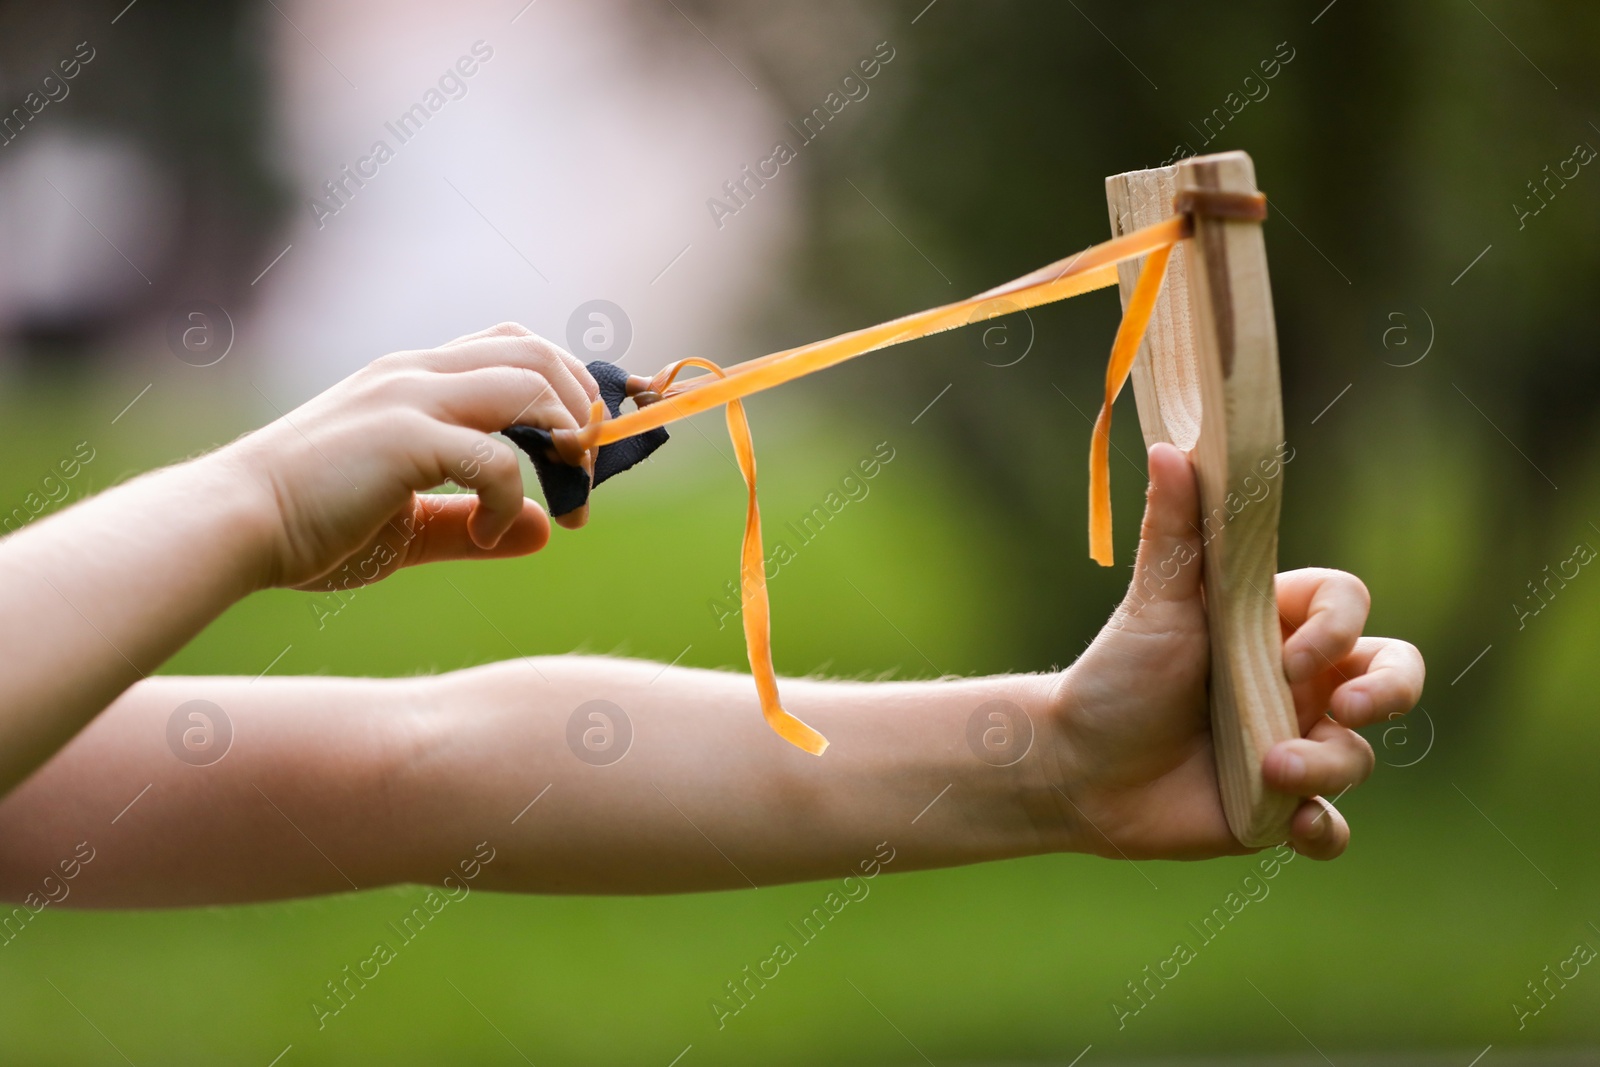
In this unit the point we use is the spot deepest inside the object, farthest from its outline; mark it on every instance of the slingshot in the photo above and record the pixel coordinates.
(1208, 383)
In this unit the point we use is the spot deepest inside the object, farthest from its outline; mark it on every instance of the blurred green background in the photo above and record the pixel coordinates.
(1395, 145)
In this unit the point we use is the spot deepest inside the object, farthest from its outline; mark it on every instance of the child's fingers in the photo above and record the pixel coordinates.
(499, 329)
(514, 349)
(487, 466)
(1327, 610)
(432, 528)
(552, 371)
(1168, 567)
(1386, 676)
(1299, 591)
(1318, 831)
(1329, 759)
(493, 398)
(535, 351)
(441, 531)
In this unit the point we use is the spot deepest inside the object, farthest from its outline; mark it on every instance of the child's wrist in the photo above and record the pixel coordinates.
(1031, 784)
(1061, 755)
(246, 507)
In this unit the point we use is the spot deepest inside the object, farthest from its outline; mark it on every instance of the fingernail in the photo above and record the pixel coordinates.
(574, 520)
(1294, 767)
(1300, 666)
(1323, 826)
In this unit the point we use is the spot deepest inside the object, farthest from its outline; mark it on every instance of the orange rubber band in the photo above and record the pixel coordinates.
(1093, 268)
(755, 608)
(1123, 351)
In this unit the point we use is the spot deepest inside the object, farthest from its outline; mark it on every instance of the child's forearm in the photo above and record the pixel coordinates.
(707, 797)
(282, 793)
(99, 595)
(332, 784)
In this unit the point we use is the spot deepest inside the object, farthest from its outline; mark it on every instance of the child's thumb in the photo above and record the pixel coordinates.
(1169, 564)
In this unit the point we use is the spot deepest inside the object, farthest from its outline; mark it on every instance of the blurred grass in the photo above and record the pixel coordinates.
(1421, 937)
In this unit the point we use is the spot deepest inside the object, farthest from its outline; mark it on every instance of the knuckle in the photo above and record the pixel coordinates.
(396, 381)
(1341, 633)
(531, 379)
(536, 344)
(413, 425)
(385, 364)
(542, 353)
(485, 461)
(500, 459)
(532, 384)
(509, 329)
(419, 433)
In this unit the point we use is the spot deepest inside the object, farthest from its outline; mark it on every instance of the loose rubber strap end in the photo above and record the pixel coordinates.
(795, 732)
(1100, 549)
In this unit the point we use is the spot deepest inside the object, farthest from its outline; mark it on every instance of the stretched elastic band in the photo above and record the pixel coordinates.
(1092, 268)
(663, 399)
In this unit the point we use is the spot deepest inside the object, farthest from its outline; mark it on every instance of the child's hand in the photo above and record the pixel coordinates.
(342, 473)
(1137, 755)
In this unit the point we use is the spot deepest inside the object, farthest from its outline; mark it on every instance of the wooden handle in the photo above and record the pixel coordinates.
(1206, 379)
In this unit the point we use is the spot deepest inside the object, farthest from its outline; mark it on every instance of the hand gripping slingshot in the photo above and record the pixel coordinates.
(1207, 382)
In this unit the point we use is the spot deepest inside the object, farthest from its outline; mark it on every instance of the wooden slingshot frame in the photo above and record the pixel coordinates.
(1206, 380)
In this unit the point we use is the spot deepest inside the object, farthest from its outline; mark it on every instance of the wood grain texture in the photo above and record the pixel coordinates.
(1165, 380)
(1206, 379)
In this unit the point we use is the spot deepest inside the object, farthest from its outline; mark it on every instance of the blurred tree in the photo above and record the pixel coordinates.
(182, 88)
(1392, 142)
